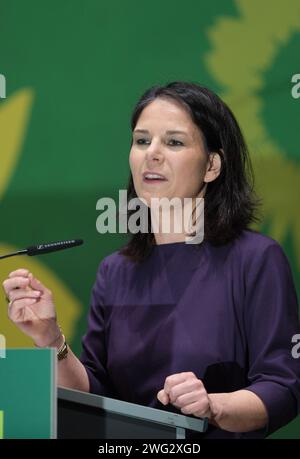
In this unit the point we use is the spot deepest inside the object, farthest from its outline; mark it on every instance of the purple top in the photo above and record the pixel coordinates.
(226, 313)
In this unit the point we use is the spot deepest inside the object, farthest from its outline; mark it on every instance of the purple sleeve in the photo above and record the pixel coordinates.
(94, 353)
(271, 320)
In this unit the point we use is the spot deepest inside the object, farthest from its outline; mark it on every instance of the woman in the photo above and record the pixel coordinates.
(203, 329)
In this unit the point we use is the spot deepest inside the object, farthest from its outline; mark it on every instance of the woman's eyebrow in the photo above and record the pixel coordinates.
(142, 131)
(176, 132)
(145, 131)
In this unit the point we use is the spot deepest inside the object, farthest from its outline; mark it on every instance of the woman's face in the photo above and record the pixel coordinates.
(168, 143)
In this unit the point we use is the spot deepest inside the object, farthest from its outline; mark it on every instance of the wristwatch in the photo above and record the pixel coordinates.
(63, 350)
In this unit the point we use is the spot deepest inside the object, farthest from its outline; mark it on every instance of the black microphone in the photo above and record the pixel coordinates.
(45, 248)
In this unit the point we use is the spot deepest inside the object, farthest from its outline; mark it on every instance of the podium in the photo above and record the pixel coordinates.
(83, 415)
(28, 394)
(32, 407)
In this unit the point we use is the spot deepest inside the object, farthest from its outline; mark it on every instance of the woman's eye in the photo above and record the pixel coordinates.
(175, 143)
(171, 142)
(142, 141)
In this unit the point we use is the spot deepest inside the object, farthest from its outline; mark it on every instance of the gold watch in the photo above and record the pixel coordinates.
(63, 350)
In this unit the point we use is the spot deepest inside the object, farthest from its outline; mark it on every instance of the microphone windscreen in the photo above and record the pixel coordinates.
(52, 247)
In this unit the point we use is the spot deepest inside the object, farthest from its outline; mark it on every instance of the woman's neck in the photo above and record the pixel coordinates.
(164, 238)
(173, 225)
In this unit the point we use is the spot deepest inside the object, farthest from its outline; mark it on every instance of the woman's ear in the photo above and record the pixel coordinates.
(214, 165)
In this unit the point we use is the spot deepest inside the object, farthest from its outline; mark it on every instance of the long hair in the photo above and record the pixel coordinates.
(230, 203)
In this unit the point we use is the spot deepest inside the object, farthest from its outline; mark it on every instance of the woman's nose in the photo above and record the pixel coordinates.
(154, 152)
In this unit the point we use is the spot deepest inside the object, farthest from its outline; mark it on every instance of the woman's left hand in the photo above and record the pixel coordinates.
(187, 393)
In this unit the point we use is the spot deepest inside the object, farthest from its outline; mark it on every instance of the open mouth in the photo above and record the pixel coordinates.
(153, 178)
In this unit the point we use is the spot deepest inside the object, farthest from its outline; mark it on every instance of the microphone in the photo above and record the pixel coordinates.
(45, 248)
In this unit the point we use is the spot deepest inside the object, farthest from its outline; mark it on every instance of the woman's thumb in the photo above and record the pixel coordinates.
(163, 397)
(37, 285)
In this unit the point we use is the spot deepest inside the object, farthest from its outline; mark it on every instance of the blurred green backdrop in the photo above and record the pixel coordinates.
(74, 71)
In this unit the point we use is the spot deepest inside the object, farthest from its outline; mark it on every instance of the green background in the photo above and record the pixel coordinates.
(86, 63)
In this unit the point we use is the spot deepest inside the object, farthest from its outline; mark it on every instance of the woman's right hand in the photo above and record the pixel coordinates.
(31, 308)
